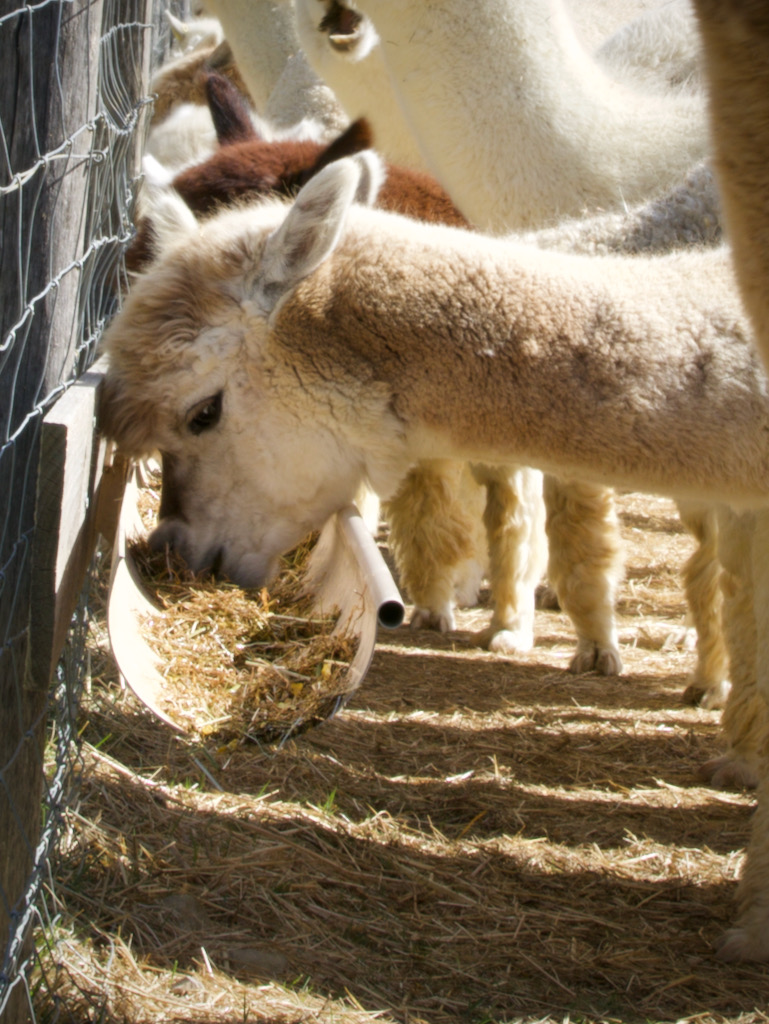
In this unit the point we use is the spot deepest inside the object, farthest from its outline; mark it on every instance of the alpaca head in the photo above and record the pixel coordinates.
(249, 466)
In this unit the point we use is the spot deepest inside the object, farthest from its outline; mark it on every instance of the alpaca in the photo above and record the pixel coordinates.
(561, 101)
(735, 42)
(436, 563)
(253, 161)
(180, 81)
(181, 130)
(274, 313)
(688, 215)
(656, 48)
(746, 715)
(735, 37)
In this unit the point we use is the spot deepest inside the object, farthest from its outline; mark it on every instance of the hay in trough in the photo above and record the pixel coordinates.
(239, 663)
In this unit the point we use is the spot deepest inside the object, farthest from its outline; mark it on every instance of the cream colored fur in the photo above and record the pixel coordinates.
(689, 214)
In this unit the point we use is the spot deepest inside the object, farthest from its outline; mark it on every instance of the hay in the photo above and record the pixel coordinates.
(240, 664)
(473, 839)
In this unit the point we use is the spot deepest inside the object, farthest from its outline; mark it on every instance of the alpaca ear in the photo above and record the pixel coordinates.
(179, 28)
(310, 232)
(356, 141)
(372, 176)
(229, 110)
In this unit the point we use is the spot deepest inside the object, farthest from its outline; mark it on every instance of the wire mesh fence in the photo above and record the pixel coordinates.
(74, 80)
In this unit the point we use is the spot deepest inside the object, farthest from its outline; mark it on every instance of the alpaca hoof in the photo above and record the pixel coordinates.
(425, 618)
(591, 658)
(509, 641)
(728, 772)
(707, 697)
(546, 599)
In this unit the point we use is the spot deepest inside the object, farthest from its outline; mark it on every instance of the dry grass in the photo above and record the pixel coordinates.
(474, 839)
(252, 664)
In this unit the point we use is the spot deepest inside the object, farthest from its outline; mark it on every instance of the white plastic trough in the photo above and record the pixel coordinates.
(345, 571)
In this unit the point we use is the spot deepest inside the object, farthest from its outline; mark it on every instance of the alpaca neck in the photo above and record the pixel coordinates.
(503, 92)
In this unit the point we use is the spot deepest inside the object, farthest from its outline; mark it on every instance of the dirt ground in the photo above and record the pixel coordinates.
(473, 839)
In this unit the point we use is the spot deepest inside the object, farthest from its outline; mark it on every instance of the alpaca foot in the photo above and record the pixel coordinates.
(708, 697)
(510, 641)
(425, 618)
(728, 772)
(590, 657)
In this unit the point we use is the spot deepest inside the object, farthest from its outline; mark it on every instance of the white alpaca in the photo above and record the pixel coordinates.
(574, 141)
(536, 71)
(658, 48)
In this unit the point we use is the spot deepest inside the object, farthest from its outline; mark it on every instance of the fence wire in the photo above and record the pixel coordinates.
(73, 94)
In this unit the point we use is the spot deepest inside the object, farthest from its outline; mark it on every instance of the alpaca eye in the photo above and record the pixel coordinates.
(205, 414)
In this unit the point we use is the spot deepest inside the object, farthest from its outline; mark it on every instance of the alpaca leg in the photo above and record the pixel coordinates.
(708, 684)
(585, 568)
(430, 535)
(514, 521)
(744, 717)
(471, 571)
(749, 939)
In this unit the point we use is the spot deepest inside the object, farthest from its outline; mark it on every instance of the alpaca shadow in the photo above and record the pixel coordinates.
(404, 927)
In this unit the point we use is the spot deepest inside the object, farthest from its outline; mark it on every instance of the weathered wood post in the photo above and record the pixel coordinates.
(49, 80)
